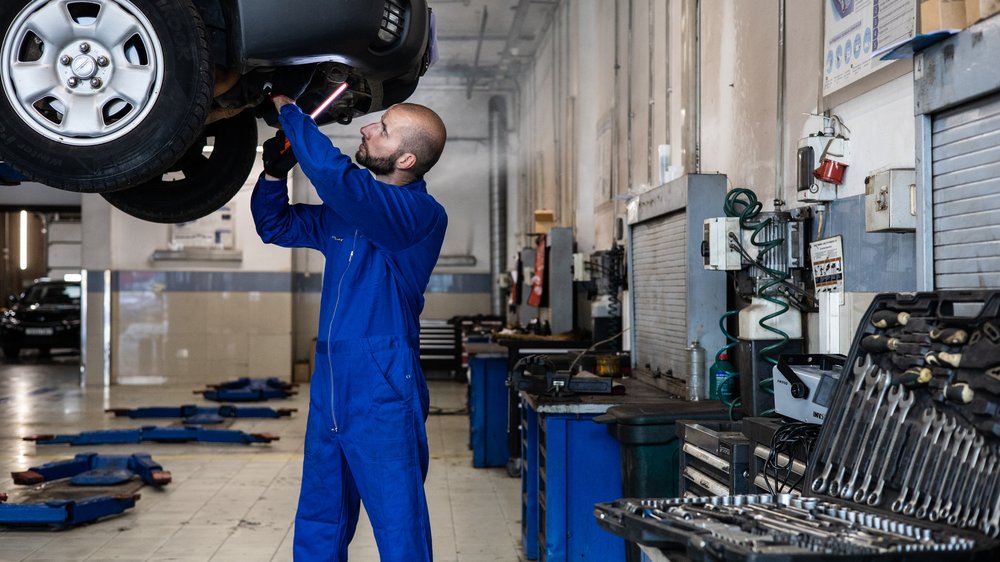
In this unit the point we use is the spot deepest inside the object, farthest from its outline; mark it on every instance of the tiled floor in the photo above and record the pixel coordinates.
(231, 502)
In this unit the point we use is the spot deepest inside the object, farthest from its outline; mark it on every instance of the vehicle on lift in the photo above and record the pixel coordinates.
(45, 316)
(154, 103)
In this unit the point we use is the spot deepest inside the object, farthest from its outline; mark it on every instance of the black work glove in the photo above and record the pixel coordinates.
(279, 159)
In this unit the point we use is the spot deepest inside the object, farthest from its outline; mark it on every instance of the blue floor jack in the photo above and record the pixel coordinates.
(156, 434)
(246, 389)
(86, 469)
(195, 415)
(92, 469)
(64, 513)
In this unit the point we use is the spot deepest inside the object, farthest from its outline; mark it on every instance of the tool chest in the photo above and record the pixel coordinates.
(905, 466)
(714, 458)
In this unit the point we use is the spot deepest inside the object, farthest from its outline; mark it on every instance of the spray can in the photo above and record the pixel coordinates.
(696, 371)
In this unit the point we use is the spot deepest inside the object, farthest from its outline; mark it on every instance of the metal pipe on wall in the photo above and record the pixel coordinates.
(498, 197)
(691, 78)
(779, 167)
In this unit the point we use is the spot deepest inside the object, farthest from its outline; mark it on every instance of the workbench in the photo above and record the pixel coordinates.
(569, 463)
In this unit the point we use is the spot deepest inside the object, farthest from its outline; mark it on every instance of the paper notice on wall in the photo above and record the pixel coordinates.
(828, 264)
(854, 29)
(212, 231)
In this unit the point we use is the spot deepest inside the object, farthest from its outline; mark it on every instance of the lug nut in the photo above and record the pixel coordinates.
(72, 82)
(96, 83)
(84, 47)
(66, 60)
(102, 61)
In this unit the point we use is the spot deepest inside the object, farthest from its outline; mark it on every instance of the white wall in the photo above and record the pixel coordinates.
(608, 76)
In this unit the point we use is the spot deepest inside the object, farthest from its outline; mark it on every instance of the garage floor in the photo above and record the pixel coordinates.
(231, 502)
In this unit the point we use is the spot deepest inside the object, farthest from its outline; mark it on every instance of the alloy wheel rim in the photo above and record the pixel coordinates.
(82, 72)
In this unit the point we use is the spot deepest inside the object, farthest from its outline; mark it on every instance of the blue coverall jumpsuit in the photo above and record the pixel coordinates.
(365, 436)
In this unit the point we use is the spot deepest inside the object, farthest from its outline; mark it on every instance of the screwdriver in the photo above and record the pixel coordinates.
(889, 319)
(950, 336)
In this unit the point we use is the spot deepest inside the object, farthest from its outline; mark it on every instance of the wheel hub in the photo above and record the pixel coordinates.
(82, 79)
(85, 68)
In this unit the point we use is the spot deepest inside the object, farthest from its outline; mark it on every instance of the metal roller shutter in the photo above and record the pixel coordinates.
(659, 285)
(966, 195)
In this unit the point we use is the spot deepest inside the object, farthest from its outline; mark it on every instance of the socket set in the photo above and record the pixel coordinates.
(906, 465)
(745, 526)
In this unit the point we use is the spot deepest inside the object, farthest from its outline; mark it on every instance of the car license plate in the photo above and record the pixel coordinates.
(38, 331)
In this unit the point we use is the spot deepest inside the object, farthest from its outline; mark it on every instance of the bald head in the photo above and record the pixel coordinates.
(424, 135)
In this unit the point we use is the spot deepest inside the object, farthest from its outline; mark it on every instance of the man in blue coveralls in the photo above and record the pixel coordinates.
(381, 236)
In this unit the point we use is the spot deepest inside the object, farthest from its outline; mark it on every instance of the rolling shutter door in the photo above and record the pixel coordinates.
(966, 195)
(659, 283)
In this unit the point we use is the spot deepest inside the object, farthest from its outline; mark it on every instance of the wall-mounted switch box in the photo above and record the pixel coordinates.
(891, 200)
(716, 248)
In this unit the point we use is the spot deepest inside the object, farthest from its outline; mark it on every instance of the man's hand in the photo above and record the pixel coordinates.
(279, 159)
(281, 101)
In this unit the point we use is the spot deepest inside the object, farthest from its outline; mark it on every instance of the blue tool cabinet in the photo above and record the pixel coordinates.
(488, 410)
(569, 464)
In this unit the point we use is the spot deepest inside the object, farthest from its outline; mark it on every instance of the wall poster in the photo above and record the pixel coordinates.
(854, 30)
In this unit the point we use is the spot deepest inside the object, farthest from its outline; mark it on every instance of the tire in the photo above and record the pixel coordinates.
(208, 182)
(11, 351)
(88, 138)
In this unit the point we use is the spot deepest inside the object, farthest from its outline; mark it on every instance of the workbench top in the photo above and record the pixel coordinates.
(636, 392)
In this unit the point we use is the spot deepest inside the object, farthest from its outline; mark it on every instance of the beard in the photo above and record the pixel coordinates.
(380, 166)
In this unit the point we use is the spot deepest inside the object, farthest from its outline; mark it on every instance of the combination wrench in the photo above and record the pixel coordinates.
(933, 484)
(871, 382)
(952, 505)
(945, 428)
(896, 395)
(948, 486)
(848, 489)
(861, 370)
(904, 404)
(928, 420)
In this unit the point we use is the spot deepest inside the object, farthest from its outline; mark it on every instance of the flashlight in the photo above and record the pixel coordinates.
(326, 103)
(321, 108)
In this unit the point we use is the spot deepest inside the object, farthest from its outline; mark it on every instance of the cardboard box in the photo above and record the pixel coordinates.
(941, 14)
(972, 11)
(545, 219)
(987, 8)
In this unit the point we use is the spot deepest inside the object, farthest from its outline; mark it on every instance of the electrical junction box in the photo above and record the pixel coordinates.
(809, 189)
(581, 270)
(891, 200)
(715, 245)
(817, 377)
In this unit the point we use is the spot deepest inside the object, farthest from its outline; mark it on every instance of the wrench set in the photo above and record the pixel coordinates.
(909, 435)
(781, 524)
(906, 465)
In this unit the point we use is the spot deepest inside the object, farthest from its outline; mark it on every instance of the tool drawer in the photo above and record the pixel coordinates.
(906, 463)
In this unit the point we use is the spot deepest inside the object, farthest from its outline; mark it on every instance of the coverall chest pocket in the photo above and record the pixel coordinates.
(396, 369)
(366, 269)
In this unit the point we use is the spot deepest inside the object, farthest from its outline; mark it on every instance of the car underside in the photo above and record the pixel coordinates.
(154, 103)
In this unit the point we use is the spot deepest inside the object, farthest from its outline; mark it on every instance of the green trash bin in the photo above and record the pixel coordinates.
(650, 451)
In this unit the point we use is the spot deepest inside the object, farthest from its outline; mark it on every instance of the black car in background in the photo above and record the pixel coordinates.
(154, 103)
(45, 316)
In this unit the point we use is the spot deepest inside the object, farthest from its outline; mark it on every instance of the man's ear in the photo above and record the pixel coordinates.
(406, 162)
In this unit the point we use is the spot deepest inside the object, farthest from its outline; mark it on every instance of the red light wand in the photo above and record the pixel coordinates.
(326, 103)
(321, 108)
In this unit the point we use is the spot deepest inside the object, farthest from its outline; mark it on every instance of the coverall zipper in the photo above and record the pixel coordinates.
(329, 330)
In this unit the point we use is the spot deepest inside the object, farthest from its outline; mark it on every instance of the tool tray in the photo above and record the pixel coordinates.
(906, 465)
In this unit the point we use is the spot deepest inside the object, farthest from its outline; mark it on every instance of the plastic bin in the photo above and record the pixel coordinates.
(650, 450)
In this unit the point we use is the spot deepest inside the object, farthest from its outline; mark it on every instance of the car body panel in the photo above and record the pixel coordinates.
(309, 31)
